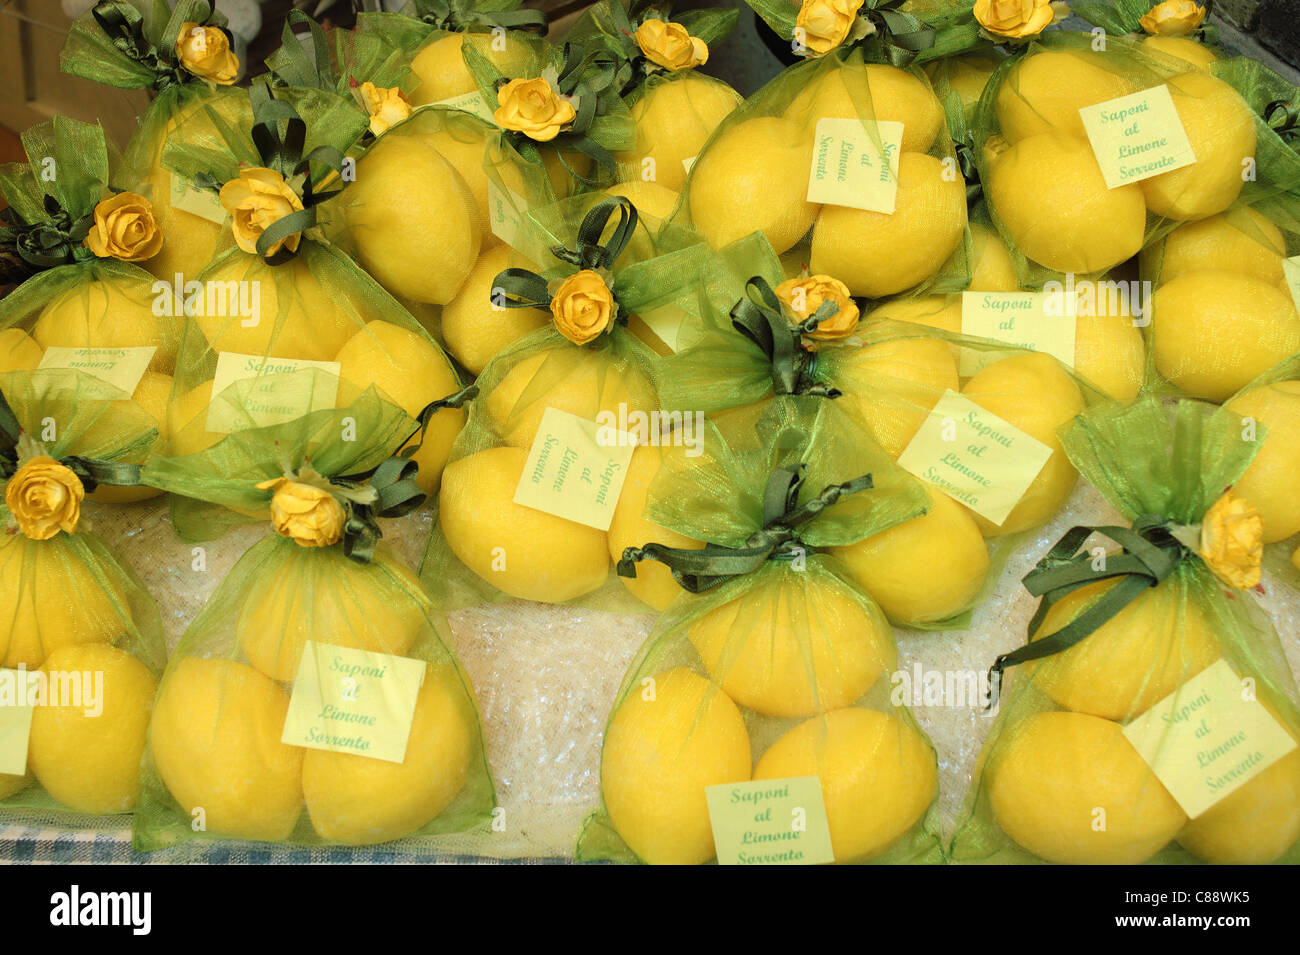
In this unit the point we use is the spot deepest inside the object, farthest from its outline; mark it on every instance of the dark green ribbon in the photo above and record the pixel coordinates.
(522, 288)
(899, 36)
(700, 570)
(92, 472)
(460, 18)
(1283, 117)
(1150, 554)
(394, 483)
(760, 316)
(55, 240)
(969, 171)
(123, 24)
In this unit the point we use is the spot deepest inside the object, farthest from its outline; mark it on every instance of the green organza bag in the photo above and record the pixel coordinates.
(774, 664)
(813, 131)
(81, 642)
(282, 323)
(384, 742)
(80, 312)
(1154, 718)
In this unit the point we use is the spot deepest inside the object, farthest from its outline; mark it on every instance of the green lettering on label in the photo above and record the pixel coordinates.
(770, 822)
(1137, 136)
(572, 473)
(855, 164)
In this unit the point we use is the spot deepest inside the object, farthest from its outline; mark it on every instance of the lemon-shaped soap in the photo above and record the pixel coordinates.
(935, 311)
(360, 801)
(215, 739)
(993, 268)
(285, 311)
(1043, 93)
(1215, 331)
(187, 417)
(1070, 788)
(109, 314)
(629, 527)
(877, 254)
(151, 396)
(667, 742)
(315, 594)
(1132, 661)
(463, 144)
(410, 371)
(1240, 240)
(1052, 200)
(1253, 825)
(1033, 393)
(1269, 483)
(52, 600)
(1181, 47)
(654, 206)
(521, 551)
(790, 648)
(1108, 348)
(877, 776)
(1220, 127)
(475, 329)
(964, 75)
(441, 70)
(574, 380)
(753, 177)
(923, 570)
(674, 119)
(189, 240)
(892, 386)
(413, 220)
(876, 91)
(86, 753)
(19, 351)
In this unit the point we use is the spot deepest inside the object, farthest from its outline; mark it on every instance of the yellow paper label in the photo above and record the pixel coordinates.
(1209, 738)
(505, 212)
(1291, 269)
(1042, 321)
(15, 722)
(268, 391)
(975, 457)
(200, 202)
(575, 469)
(472, 103)
(120, 367)
(1137, 136)
(353, 701)
(855, 163)
(770, 822)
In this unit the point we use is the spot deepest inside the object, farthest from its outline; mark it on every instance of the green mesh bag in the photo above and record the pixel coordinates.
(385, 742)
(606, 269)
(282, 324)
(81, 642)
(797, 137)
(1153, 716)
(773, 664)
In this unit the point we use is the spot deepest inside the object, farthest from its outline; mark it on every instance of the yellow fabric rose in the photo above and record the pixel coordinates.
(258, 198)
(1014, 18)
(1174, 18)
(125, 228)
(822, 25)
(387, 106)
(583, 307)
(1232, 541)
(532, 107)
(205, 52)
(804, 296)
(45, 497)
(671, 45)
(308, 515)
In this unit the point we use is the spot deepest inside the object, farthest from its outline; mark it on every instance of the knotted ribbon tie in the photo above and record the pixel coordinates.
(92, 472)
(1150, 554)
(699, 570)
(761, 318)
(56, 240)
(458, 18)
(898, 36)
(123, 24)
(1283, 118)
(523, 288)
(969, 172)
(394, 482)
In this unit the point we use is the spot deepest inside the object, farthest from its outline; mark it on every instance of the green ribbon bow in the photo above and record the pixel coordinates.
(969, 171)
(1283, 117)
(30, 247)
(699, 570)
(123, 24)
(458, 17)
(92, 472)
(1150, 554)
(394, 482)
(526, 289)
(898, 36)
(760, 316)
